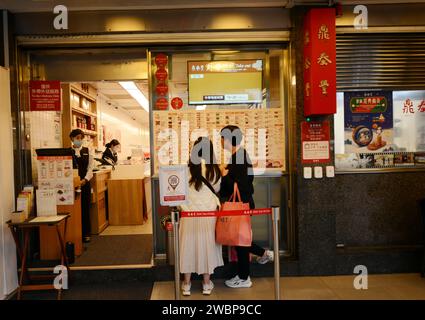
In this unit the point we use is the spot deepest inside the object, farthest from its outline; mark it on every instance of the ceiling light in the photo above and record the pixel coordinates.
(135, 92)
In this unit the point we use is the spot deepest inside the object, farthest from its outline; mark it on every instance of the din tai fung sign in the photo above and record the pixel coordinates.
(320, 62)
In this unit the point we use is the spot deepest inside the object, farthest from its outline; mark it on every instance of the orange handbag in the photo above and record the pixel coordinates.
(234, 230)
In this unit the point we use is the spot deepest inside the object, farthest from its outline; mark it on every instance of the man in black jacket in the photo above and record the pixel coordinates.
(83, 161)
(239, 170)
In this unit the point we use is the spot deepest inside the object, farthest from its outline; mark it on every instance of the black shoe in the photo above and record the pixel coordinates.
(86, 239)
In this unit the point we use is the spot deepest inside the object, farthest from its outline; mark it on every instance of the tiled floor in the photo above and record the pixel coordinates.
(146, 228)
(380, 287)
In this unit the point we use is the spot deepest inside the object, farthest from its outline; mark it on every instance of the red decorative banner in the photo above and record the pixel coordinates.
(161, 74)
(161, 104)
(177, 103)
(161, 89)
(161, 59)
(45, 95)
(320, 62)
(251, 212)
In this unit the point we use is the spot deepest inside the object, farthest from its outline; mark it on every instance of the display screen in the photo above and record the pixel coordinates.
(225, 82)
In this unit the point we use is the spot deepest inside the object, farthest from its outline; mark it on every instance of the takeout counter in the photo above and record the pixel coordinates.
(126, 196)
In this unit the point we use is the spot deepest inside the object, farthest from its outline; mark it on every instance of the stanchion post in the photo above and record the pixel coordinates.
(275, 219)
(175, 221)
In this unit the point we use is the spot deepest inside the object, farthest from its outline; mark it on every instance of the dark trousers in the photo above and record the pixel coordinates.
(85, 209)
(243, 258)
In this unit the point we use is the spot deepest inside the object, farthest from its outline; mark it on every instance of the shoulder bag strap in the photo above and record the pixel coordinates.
(206, 182)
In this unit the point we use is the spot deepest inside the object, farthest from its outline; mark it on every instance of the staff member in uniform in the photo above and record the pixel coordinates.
(111, 150)
(83, 161)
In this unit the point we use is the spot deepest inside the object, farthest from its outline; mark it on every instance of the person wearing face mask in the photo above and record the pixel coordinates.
(83, 160)
(110, 153)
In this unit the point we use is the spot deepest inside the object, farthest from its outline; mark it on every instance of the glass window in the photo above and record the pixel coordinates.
(380, 129)
(198, 93)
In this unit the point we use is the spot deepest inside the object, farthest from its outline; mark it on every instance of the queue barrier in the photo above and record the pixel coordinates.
(175, 219)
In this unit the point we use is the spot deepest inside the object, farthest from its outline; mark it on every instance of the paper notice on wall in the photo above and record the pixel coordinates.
(46, 203)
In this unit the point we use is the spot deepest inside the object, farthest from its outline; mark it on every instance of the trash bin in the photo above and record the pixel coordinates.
(169, 243)
(70, 252)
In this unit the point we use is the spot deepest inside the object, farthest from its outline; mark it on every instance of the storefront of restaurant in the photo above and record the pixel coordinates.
(366, 214)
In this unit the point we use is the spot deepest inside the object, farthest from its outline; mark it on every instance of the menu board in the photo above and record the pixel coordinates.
(263, 130)
(56, 173)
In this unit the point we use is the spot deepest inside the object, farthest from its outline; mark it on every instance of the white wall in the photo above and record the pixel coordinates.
(8, 266)
(130, 133)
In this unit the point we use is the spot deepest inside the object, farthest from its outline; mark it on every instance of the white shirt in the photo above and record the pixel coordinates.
(89, 174)
(204, 199)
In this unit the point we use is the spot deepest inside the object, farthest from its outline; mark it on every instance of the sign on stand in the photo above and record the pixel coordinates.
(173, 185)
(173, 191)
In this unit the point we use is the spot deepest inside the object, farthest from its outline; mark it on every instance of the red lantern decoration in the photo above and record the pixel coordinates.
(320, 62)
(177, 103)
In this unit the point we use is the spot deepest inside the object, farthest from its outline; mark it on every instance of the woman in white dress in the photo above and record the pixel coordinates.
(199, 253)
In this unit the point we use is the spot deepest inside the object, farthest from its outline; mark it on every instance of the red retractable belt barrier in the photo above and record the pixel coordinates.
(251, 212)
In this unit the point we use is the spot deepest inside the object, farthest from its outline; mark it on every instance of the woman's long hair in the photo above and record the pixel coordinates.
(203, 149)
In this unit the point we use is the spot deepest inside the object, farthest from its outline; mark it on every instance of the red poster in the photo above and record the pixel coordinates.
(161, 104)
(161, 74)
(315, 143)
(320, 62)
(177, 103)
(45, 95)
(161, 59)
(161, 89)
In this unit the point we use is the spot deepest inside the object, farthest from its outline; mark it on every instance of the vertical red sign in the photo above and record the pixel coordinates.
(320, 62)
(45, 95)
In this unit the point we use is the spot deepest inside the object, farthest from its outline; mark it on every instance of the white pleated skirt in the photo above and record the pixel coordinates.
(199, 253)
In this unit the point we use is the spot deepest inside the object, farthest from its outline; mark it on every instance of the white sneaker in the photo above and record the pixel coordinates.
(236, 282)
(268, 256)
(230, 281)
(186, 289)
(207, 288)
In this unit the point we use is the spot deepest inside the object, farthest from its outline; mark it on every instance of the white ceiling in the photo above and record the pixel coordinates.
(48, 5)
(118, 97)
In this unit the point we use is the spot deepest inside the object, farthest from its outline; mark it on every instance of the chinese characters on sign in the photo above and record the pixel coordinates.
(320, 76)
(45, 95)
(368, 117)
(315, 142)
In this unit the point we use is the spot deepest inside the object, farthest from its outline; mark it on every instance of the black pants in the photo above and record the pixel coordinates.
(243, 258)
(85, 209)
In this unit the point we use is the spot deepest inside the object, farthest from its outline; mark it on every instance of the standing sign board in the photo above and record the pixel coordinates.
(45, 95)
(173, 185)
(315, 142)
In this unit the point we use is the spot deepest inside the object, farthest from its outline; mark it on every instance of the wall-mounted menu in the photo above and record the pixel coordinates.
(56, 173)
(263, 129)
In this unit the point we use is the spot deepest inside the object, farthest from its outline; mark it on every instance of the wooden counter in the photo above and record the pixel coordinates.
(98, 216)
(49, 247)
(126, 202)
